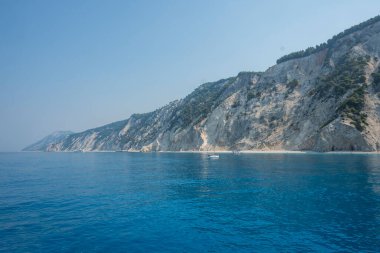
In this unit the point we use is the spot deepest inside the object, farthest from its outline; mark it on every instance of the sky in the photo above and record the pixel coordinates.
(79, 64)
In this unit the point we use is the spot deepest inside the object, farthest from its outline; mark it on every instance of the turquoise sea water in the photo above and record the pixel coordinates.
(160, 202)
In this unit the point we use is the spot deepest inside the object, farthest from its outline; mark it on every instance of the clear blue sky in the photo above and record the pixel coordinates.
(74, 65)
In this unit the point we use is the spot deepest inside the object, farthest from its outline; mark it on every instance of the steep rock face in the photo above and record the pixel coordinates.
(328, 100)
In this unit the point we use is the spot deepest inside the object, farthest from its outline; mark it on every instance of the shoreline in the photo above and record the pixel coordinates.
(210, 151)
(272, 152)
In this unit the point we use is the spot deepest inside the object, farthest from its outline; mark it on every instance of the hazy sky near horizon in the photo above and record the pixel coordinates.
(74, 65)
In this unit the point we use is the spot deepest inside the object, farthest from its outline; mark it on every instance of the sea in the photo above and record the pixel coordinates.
(186, 202)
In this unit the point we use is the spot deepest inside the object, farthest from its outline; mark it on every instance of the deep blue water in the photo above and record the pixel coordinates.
(121, 202)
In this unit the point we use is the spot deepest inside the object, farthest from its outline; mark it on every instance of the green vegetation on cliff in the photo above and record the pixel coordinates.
(376, 81)
(348, 77)
(200, 103)
(330, 42)
(352, 109)
(348, 74)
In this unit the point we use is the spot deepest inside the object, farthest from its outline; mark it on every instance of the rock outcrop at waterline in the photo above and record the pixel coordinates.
(325, 100)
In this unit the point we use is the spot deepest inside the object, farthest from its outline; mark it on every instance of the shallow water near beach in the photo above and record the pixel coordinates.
(183, 202)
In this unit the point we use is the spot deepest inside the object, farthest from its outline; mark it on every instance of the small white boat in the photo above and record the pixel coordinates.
(213, 156)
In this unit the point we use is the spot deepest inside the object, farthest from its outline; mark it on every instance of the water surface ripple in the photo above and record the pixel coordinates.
(178, 202)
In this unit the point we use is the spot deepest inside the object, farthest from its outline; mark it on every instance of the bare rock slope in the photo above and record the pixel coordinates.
(322, 99)
(45, 143)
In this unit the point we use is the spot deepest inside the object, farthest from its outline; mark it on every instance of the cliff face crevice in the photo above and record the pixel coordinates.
(326, 101)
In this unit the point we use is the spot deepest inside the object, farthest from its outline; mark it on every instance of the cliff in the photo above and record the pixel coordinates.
(325, 99)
